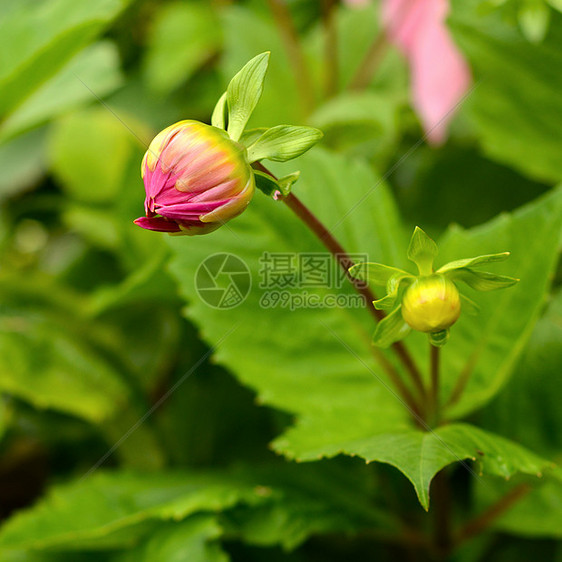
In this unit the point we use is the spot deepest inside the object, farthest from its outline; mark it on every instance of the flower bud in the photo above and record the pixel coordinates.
(196, 178)
(431, 304)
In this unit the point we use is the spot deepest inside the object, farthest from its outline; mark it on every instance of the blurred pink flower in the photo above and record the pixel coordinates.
(439, 73)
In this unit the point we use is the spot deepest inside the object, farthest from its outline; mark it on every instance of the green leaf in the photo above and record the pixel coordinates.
(325, 372)
(183, 37)
(89, 154)
(420, 455)
(22, 161)
(488, 346)
(244, 92)
(192, 539)
(50, 366)
(283, 142)
(422, 251)
(308, 499)
(391, 329)
(513, 78)
(376, 273)
(122, 508)
(91, 74)
(471, 262)
(482, 280)
(38, 41)
(537, 515)
(528, 408)
(218, 118)
(332, 373)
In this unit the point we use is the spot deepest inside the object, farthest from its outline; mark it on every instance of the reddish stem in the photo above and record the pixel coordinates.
(345, 262)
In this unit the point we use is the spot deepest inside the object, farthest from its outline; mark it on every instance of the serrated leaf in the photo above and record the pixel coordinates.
(243, 94)
(122, 507)
(471, 262)
(283, 142)
(328, 375)
(422, 251)
(390, 329)
(420, 455)
(489, 345)
(482, 280)
(193, 539)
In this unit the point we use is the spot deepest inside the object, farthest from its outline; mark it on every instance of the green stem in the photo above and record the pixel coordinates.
(485, 519)
(345, 262)
(291, 40)
(370, 63)
(434, 372)
(463, 379)
(441, 506)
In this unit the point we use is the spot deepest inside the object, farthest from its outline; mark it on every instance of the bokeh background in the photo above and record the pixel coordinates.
(93, 330)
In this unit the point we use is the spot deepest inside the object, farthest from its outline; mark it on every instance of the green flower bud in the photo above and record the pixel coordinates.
(431, 304)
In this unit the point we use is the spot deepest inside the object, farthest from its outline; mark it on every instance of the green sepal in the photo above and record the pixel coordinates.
(482, 280)
(469, 306)
(422, 251)
(250, 136)
(439, 339)
(219, 116)
(283, 142)
(391, 329)
(375, 273)
(470, 262)
(270, 186)
(243, 94)
(286, 182)
(392, 289)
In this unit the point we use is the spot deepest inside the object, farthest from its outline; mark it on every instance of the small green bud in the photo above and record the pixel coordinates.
(431, 304)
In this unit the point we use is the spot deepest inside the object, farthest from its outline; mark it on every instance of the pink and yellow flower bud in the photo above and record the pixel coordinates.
(196, 178)
(431, 304)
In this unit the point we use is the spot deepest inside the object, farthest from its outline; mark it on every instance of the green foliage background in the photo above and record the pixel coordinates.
(137, 423)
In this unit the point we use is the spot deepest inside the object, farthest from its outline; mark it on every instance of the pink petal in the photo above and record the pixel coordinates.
(158, 224)
(440, 75)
